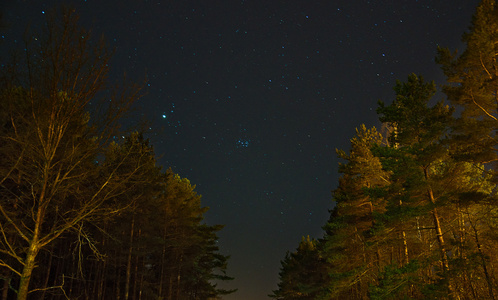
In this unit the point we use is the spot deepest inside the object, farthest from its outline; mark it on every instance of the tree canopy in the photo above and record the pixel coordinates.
(415, 207)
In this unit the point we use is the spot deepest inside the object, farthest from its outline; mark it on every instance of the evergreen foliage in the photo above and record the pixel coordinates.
(415, 208)
(303, 273)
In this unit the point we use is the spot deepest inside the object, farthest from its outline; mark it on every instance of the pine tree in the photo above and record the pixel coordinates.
(352, 250)
(418, 157)
(191, 257)
(303, 273)
(472, 84)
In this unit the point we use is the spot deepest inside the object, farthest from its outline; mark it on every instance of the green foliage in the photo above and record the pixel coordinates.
(303, 273)
(411, 211)
(395, 282)
(472, 85)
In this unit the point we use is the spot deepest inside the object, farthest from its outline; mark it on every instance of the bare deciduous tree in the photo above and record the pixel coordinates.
(57, 120)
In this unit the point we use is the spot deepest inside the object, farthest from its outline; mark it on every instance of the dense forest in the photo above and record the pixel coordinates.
(85, 211)
(416, 207)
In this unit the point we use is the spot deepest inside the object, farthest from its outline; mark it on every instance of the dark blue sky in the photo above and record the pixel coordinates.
(250, 99)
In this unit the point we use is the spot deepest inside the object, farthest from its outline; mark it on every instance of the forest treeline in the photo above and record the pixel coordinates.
(85, 211)
(416, 207)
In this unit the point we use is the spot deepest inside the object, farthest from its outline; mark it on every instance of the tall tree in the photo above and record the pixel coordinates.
(351, 253)
(418, 152)
(350, 246)
(303, 273)
(473, 84)
(472, 78)
(191, 254)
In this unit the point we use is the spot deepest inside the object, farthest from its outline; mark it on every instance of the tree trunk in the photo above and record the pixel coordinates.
(60, 264)
(141, 285)
(135, 278)
(406, 259)
(47, 276)
(128, 265)
(103, 269)
(439, 235)
(405, 248)
(29, 265)
(440, 239)
(30, 260)
(178, 279)
(163, 258)
(461, 248)
(118, 281)
(170, 289)
(483, 260)
(6, 286)
(442, 247)
(34, 246)
(437, 225)
(100, 291)
(135, 275)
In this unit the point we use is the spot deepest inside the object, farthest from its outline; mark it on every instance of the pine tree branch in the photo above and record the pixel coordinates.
(484, 67)
(482, 108)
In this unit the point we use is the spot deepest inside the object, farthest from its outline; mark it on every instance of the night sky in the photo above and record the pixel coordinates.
(250, 99)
